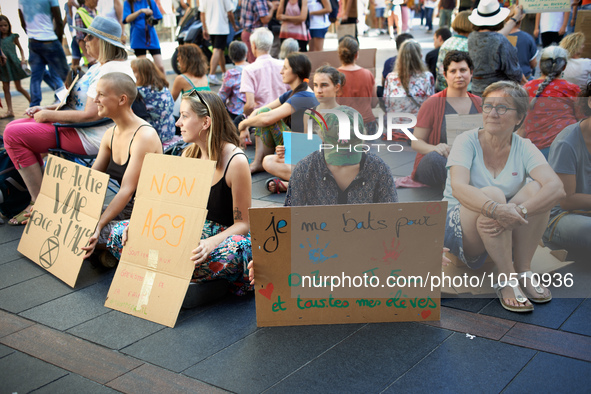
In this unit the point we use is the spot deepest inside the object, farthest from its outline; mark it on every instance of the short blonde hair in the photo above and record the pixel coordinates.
(108, 52)
(573, 43)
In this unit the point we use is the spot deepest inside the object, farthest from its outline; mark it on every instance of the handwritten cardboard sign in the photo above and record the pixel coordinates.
(535, 6)
(583, 25)
(366, 59)
(64, 217)
(166, 224)
(296, 249)
(456, 124)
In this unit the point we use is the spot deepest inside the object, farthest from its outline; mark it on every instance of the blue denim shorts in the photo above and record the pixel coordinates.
(318, 33)
(454, 239)
(380, 12)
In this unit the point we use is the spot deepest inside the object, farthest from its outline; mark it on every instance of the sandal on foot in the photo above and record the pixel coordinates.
(279, 185)
(514, 284)
(539, 291)
(21, 219)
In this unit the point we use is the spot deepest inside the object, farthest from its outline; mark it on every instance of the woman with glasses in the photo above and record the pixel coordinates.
(492, 208)
(26, 140)
(225, 247)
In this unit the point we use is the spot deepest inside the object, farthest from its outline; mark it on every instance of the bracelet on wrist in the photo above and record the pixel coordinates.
(492, 214)
(482, 210)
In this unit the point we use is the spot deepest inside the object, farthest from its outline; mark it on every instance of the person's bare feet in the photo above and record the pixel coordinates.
(509, 298)
(273, 183)
(7, 115)
(254, 168)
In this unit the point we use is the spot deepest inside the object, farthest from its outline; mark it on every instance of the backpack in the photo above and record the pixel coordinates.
(307, 18)
(332, 17)
(14, 194)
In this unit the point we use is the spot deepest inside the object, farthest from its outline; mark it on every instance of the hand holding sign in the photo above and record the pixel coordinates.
(92, 242)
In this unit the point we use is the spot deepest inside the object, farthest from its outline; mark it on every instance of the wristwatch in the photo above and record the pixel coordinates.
(523, 210)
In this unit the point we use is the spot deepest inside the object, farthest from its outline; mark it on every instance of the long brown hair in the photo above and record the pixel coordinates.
(221, 131)
(148, 74)
(409, 62)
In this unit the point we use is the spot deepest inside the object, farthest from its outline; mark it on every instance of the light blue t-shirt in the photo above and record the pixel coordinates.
(38, 18)
(467, 152)
(569, 155)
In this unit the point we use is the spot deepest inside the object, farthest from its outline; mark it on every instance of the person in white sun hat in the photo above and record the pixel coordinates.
(495, 59)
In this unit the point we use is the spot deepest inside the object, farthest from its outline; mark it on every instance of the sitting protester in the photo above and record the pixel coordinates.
(360, 91)
(153, 87)
(285, 113)
(230, 89)
(410, 84)
(26, 140)
(570, 157)
(553, 105)
(225, 248)
(193, 66)
(337, 174)
(492, 208)
(495, 58)
(431, 144)
(439, 37)
(261, 81)
(578, 68)
(462, 27)
(289, 45)
(121, 153)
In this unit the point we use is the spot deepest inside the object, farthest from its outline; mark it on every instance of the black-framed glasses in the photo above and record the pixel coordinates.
(501, 109)
(88, 38)
(195, 93)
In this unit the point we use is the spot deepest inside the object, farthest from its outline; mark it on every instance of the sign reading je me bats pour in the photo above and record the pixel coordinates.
(166, 224)
(64, 217)
(296, 249)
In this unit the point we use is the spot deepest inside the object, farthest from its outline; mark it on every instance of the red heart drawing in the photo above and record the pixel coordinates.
(425, 314)
(268, 291)
(215, 266)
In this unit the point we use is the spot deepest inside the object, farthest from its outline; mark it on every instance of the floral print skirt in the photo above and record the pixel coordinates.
(272, 135)
(227, 261)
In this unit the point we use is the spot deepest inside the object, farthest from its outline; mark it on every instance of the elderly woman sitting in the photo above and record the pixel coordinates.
(492, 209)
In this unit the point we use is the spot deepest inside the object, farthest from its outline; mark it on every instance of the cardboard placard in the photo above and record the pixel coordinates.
(535, 6)
(347, 29)
(583, 25)
(166, 224)
(456, 124)
(293, 246)
(64, 217)
(366, 59)
(298, 146)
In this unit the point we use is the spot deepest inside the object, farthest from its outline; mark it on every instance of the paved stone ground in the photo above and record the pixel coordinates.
(57, 339)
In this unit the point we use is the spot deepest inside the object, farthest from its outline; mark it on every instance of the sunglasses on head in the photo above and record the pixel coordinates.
(195, 93)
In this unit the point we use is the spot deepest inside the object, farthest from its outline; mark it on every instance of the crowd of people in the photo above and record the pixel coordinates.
(523, 176)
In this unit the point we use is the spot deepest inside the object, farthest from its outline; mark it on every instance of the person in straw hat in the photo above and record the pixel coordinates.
(27, 139)
(495, 59)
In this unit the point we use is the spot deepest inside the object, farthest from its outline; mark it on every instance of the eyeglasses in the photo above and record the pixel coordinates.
(195, 93)
(88, 38)
(501, 109)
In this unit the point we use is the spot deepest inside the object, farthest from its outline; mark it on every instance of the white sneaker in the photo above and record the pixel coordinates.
(213, 80)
